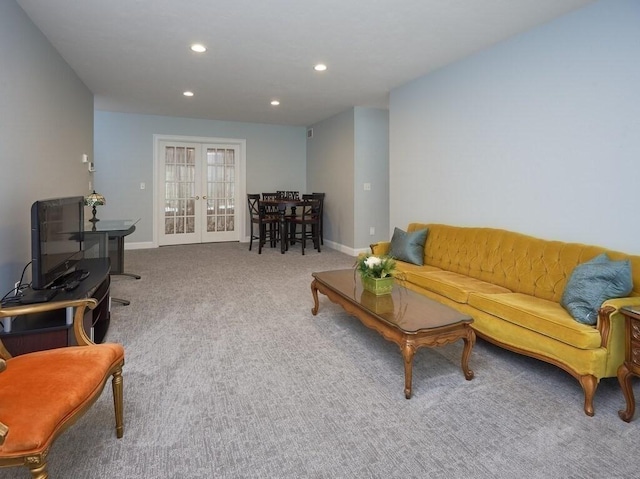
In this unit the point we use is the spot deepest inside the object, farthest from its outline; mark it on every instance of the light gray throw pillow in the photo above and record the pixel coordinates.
(592, 283)
(408, 247)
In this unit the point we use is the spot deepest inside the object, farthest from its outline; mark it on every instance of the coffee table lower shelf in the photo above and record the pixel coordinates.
(408, 341)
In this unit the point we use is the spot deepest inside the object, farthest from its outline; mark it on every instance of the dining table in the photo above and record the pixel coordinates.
(282, 204)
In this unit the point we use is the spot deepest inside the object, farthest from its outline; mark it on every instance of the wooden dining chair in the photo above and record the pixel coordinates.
(271, 209)
(321, 196)
(308, 221)
(43, 393)
(268, 225)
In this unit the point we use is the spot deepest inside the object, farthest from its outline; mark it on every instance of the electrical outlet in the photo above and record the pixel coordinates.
(15, 288)
(367, 187)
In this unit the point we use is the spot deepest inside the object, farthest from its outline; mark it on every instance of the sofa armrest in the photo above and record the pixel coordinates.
(610, 320)
(380, 248)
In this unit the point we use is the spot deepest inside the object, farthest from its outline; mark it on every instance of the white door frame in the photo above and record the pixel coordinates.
(241, 171)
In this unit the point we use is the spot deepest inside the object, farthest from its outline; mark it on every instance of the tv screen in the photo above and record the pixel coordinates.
(57, 227)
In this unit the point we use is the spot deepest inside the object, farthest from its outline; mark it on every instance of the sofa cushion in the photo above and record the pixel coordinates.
(592, 283)
(452, 285)
(403, 267)
(543, 316)
(408, 247)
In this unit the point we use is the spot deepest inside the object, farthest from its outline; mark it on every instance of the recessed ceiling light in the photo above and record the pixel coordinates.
(198, 48)
(275, 102)
(188, 93)
(320, 67)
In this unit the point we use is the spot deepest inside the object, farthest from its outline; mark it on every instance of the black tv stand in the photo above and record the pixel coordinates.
(54, 329)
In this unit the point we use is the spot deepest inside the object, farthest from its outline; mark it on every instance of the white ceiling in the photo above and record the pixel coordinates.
(134, 54)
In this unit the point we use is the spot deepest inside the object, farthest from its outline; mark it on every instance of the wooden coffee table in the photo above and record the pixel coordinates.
(409, 319)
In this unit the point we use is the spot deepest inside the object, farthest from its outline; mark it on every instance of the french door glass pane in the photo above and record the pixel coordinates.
(180, 164)
(220, 181)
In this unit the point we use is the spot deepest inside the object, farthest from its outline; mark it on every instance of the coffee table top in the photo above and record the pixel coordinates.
(404, 309)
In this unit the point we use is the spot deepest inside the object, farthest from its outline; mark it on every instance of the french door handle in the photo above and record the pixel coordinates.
(197, 197)
(204, 198)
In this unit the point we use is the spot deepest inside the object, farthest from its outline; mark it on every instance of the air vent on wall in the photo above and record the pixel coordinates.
(309, 133)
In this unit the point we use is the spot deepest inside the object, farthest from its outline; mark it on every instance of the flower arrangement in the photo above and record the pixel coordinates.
(370, 266)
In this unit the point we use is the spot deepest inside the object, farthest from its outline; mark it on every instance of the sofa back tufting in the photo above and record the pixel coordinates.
(521, 263)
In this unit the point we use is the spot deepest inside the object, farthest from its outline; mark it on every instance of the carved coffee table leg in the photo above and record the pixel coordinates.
(408, 351)
(469, 341)
(624, 378)
(314, 292)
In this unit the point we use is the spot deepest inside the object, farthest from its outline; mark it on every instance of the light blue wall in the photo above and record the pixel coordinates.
(46, 124)
(540, 134)
(276, 159)
(346, 151)
(330, 170)
(372, 167)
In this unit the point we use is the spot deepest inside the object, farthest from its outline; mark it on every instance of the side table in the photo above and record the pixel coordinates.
(116, 231)
(631, 365)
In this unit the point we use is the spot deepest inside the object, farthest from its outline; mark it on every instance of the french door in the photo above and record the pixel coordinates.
(198, 192)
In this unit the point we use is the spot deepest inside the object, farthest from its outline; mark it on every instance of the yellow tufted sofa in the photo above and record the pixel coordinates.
(512, 284)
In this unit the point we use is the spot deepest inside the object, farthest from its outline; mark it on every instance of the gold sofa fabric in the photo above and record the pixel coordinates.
(520, 263)
(512, 285)
(454, 286)
(540, 315)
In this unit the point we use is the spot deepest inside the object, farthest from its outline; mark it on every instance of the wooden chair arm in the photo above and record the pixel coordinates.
(49, 306)
(80, 306)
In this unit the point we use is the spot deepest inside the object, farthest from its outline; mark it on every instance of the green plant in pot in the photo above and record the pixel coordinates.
(376, 273)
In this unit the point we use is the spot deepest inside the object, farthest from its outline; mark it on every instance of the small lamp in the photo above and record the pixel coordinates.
(93, 200)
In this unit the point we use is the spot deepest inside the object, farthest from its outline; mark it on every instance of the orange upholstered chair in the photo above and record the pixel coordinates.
(45, 392)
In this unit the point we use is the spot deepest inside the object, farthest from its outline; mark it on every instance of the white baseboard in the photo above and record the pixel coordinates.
(330, 244)
(140, 245)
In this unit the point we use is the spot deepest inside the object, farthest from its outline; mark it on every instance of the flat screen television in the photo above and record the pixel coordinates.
(57, 231)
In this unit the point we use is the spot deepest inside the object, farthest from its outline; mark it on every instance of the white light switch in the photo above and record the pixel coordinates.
(142, 186)
(367, 187)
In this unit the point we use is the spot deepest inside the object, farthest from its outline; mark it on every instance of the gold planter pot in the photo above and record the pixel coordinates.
(377, 286)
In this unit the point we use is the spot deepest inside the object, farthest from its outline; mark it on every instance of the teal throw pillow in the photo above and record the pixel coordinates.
(408, 247)
(592, 283)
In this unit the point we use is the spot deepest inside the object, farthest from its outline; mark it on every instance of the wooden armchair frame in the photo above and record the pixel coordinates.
(26, 442)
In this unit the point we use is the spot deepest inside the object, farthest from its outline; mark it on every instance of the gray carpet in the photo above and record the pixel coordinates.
(228, 375)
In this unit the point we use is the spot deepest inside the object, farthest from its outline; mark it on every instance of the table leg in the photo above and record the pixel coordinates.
(314, 292)
(469, 341)
(283, 228)
(408, 351)
(624, 378)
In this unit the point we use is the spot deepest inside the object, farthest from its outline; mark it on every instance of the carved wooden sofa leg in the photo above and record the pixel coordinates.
(589, 384)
